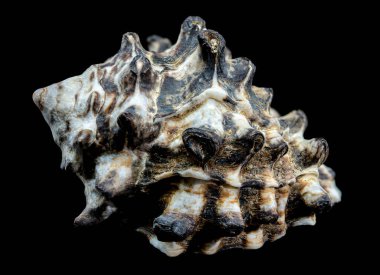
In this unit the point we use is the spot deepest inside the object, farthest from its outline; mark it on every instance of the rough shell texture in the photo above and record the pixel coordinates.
(180, 133)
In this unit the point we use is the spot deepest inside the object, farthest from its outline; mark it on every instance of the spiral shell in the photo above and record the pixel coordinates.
(179, 143)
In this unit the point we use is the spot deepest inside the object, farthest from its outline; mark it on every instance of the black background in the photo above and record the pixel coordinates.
(305, 53)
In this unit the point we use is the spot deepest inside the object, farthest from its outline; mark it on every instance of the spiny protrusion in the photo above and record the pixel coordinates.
(256, 140)
(182, 212)
(322, 151)
(264, 95)
(97, 207)
(275, 144)
(295, 121)
(268, 206)
(312, 193)
(86, 218)
(311, 152)
(277, 151)
(192, 23)
(236, 76)
(237, 150)
(228, 214)
(202, 143)
(115, 173)
(158, 44)
(131, 43)
(186, 44)
(173, 227)
(212, 44)
(327, 181)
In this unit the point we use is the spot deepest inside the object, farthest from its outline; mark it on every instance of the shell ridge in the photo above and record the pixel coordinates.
(181, 133)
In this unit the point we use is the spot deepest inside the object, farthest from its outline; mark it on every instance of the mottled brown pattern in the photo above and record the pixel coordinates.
(179, 142)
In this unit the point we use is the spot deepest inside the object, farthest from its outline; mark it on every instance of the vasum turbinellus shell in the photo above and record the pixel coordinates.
(179, 143)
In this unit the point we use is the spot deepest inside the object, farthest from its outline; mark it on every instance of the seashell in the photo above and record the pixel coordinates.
(180, 133)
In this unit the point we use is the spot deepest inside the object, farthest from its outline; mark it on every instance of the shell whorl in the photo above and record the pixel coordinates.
(180, 135)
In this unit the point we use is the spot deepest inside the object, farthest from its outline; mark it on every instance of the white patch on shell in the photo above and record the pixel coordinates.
(266, 176)
(334, 193)
(241, 123)
(310, 189)
(120, 163)
(305, 221)
(281, 204)
(268, 200)
(171, 249)
(229, 201)
(255, 239)
(211, 247)
(273, 137)
(189, 198)
(196, 173)
(329, 185)
(233, 177)
(282, 200)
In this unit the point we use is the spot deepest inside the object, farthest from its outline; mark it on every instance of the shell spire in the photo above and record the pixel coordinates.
(179, 141)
